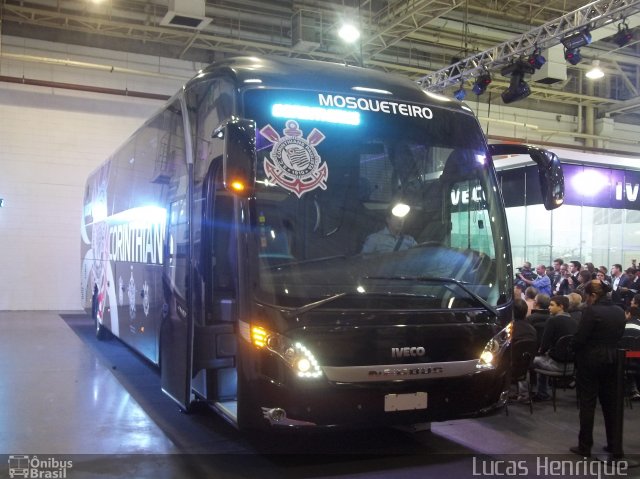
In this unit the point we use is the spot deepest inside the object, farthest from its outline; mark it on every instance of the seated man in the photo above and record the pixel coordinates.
(559, 324)
(390, 238)
(539, 313)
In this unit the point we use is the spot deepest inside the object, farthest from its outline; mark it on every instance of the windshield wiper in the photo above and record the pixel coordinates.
(303, 309)
(447, 281)
(315, 304)
(290, 312)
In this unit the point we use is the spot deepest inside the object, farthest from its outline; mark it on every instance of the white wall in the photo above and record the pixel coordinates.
(50, 139)
(539, 127)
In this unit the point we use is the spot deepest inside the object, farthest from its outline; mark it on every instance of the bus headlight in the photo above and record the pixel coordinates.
(494, 348)
(297, 356)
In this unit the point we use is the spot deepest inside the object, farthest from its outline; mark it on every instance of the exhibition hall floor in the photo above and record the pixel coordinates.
(93, 409)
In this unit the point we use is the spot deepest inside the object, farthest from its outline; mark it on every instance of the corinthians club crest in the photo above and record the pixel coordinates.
(295, 164)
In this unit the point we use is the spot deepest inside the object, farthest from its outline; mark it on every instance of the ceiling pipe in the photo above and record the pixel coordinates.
(569, 134)
(85, 88)
(92, 66)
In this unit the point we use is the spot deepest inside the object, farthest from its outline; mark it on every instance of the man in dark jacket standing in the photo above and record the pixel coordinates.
(621, 294)
(600, 329)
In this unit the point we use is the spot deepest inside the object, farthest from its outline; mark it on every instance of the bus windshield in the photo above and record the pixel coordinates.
(375, 206)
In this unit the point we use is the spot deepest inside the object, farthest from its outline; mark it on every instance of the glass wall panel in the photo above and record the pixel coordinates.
(591, 226)
(615, 232)
(595, 222)
(631, 237)
(566, 237)
(538, 234)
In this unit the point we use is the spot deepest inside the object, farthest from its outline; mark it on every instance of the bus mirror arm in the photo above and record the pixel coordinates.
(549, 170)
(239, 159)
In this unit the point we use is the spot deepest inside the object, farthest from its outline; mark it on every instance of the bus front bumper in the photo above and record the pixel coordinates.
(326, 404)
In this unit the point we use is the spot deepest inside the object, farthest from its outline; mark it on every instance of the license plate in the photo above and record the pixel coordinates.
(405, 402)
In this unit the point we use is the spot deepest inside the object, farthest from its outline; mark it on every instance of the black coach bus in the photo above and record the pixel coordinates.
(224, 241)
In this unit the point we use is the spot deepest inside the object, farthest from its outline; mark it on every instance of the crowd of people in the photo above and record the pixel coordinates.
(564, 278)
(596, 307)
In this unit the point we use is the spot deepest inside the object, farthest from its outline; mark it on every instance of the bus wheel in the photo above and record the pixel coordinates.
(102, 332)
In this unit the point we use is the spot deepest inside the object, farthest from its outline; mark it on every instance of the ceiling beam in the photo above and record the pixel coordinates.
(594, 15)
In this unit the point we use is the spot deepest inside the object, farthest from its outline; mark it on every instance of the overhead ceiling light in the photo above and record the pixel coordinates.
(400, 210)
(481, 83)
(596, 72)
(348, 33)
(623, 35)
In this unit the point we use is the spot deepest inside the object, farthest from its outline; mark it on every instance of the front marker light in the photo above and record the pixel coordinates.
(486, 357)
(259, 336)
(296, 355)
(489, 357)
(305, 363)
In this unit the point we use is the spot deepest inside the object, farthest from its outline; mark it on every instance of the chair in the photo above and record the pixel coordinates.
(632, 363)
(563, 352)
(522, 354)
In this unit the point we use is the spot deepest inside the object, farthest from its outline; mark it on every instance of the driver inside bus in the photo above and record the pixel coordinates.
(390, 238)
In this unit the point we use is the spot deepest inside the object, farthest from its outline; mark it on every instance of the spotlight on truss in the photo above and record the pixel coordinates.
(623, 35)
(536, 60)
(518, 88)
(573, 56)
(481, 83)
(460, 93)
(577, 39)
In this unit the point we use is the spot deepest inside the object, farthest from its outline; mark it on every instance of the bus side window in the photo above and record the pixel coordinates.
(178, 245)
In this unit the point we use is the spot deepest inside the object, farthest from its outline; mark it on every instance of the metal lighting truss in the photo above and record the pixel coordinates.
(591, 16)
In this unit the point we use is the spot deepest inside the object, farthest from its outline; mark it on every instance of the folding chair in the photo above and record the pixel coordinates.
(632, 362)
(522, 354)
(564, 353)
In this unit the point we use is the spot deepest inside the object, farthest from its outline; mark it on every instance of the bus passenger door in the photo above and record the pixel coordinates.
(214, 363)
(176, 330)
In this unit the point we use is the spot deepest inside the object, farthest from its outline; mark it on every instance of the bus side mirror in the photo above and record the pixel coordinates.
(239, 159)
(549, 170)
